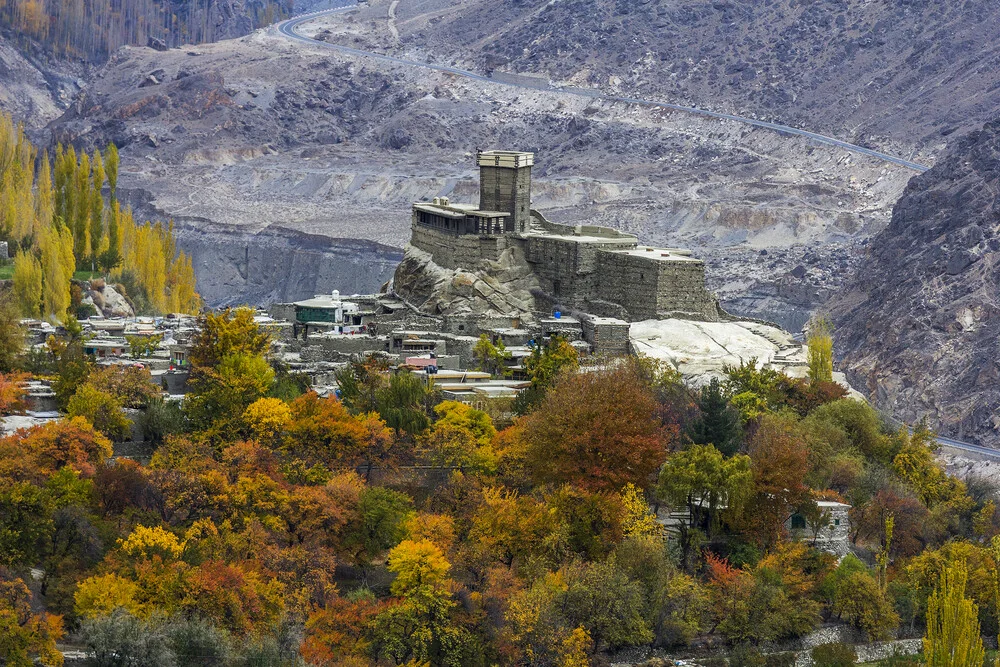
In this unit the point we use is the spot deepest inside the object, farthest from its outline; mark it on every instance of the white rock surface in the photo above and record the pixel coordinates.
(115, 304)
(699, 350)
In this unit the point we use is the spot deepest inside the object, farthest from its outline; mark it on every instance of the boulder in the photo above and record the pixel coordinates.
(115, 305)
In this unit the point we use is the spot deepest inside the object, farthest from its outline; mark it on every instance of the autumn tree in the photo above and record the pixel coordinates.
(130, 385)
(12, 393)
(953, 638)
(24, 634)
(420, 626)
(779, 463)
(102, 410)
(820, 351)
(11, 333)
(266, 417)
(321, 430)
(28, 284)
(596, 430)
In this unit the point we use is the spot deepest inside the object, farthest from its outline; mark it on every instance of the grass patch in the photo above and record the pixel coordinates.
(87, 275)
(7, 271)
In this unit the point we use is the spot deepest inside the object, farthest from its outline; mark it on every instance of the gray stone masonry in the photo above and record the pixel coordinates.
(606, 335)
(582, 268)
(3, 251)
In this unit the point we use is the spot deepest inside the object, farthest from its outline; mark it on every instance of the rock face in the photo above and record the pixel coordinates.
(500, 289)
(831, 66)
(108, 302)
(919, 329)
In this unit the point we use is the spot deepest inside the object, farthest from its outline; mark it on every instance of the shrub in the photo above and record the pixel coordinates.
(785, 659)
(745, 655)
(834, 654)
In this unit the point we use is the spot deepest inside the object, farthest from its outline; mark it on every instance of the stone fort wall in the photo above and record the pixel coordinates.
(458, 252)
(589, 277)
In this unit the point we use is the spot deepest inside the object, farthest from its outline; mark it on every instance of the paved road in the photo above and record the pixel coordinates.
(968, 447)
(288, 29)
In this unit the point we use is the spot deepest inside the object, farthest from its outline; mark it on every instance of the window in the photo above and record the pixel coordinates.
(836, 522)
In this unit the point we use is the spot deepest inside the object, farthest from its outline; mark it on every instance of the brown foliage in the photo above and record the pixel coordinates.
(12, 393)
(779, 462)
(36, 453)
(596, 430)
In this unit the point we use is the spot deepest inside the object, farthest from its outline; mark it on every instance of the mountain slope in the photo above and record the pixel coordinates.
(893, 74)
(920, 326)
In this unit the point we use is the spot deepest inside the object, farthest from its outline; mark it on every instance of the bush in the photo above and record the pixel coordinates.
(122, 639)
(745, 655)
(160, 419)
(785, 659)
(198, 642)
(834, 654)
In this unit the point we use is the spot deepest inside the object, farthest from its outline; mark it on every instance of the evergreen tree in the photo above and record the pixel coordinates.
(718, 424)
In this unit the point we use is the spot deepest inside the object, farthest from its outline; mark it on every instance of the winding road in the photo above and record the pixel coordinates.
(288, 29)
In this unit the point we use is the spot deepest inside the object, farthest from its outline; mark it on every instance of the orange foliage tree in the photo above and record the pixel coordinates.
(40, 451)
(12, 393)
(596, 430)
(779, 461)
(322, 430)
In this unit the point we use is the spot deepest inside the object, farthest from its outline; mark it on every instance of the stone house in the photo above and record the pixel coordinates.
(827, 529)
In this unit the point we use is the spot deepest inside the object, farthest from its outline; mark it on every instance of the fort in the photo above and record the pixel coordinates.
(530, 267)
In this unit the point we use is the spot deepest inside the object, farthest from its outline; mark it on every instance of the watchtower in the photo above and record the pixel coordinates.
(505, 185)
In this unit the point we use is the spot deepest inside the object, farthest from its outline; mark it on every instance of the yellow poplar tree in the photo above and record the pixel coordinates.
(820, 344)
(28, 284)
(58, 262)
(953, 638)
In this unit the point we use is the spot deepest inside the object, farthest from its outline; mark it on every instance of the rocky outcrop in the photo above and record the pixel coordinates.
(501, 289)
(919, 328)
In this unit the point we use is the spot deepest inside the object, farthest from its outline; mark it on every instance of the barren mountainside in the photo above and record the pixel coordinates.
(919, 328)
(898, 74)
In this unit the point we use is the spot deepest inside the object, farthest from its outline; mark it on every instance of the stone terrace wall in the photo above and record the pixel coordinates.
(630, 281)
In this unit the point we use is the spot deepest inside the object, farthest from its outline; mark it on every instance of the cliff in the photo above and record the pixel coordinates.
(919, 327)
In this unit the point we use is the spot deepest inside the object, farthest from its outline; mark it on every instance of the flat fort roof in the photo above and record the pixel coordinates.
(509, 159)
(458, 211)
(657, 254)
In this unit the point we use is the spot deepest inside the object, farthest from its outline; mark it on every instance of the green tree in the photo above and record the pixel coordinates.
(953, 638)
(102, 410)
(402, 403)
(72, 364)
(718, 423)
(859, 600)
(601, 598)
(546, 362)
(491, 358)
(753, 391)
(701, 479)
(820, 346)
(219, 396)
(383, 513)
